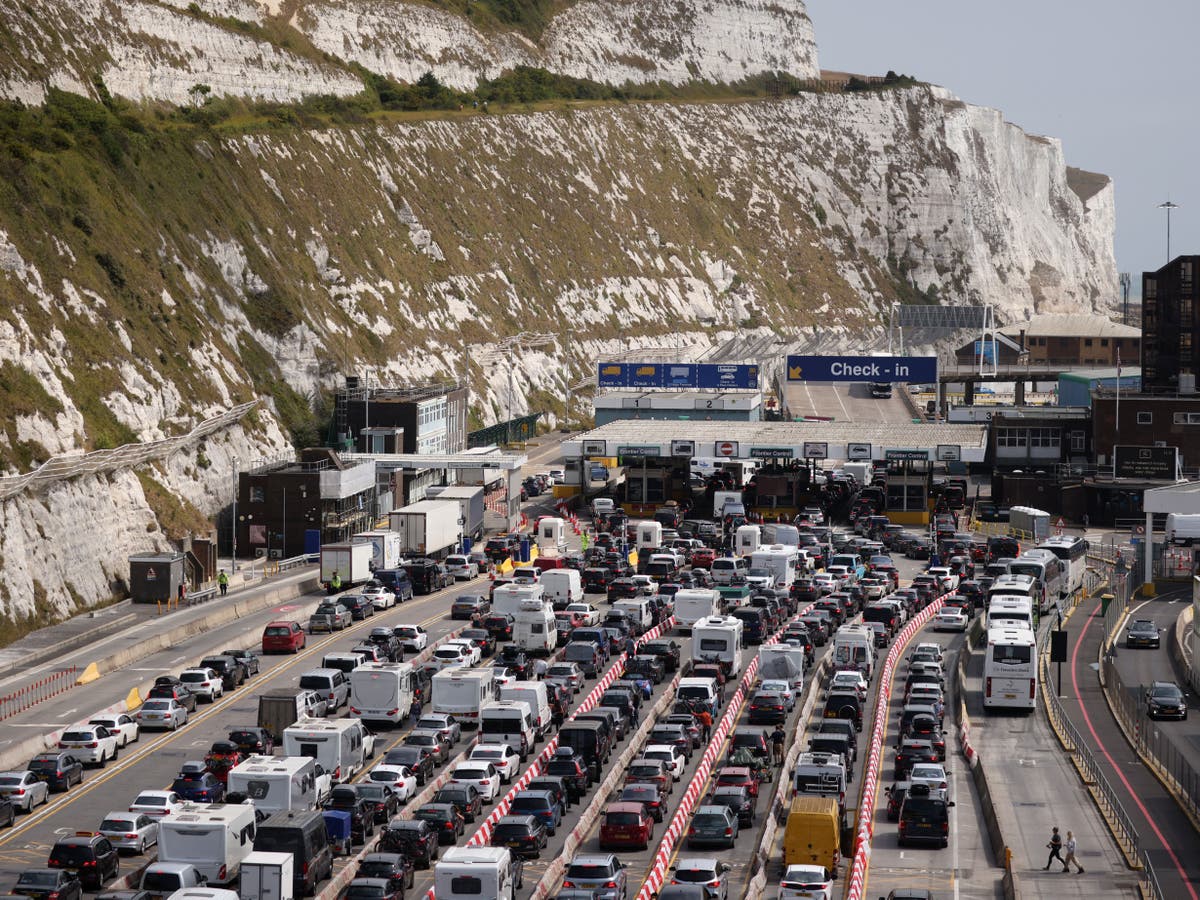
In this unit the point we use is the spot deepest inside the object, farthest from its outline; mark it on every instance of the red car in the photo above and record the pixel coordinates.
(703, 558)
(283, 637)
(626, 826)
(738, 775)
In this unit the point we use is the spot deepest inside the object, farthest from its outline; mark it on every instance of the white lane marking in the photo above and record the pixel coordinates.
(838, 395)
(32, 725)
(69, 712)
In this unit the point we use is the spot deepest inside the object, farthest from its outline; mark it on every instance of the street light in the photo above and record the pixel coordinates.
(236, 463)
(1168, 206)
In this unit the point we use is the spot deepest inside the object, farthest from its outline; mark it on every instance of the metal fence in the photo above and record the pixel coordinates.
(43, 689)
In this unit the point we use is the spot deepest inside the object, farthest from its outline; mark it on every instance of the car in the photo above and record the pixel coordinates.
(370, 652)
(360, 605)
(462, 567)
(648, 795)
(198, 785)
(499, 626)
(951, 618)
(468, 606)
(668, 753)
(474, 654)
(465, 797)
(157, 804)
(650, 771)
(91, 744)
(24, 790)
(132, 831)
(515, 659)
(252, 739)
(706, 871)
(738, 800)
(446, 726)
(1164, 700)
(924, 816)
(589, 616)
(566, 673)
(1143, 633)
(481, 638)
(123, 725)
(783, 688)
(806, 882)
(430, 742)
(49, 884)
(57, 768)
(417, 759)
(249, 660)
(177, 692)
(648, 666)
(346, 798)
(849, 680)
(393, 867)
(505, 759)
(372, 889)
(601, 872)
(450, 656)
(412, 838)
(543, 804)
(166, 714)
(401, 779)
(626, 826)
(689, 723)
(932, 775)
(386, 641)
(713, 825)
(912, 751)
(330, 615)
(380, 595)
(767, 707)
(204, 683)
(737, 775)
(524, 836)
(413, 637)
(480, 773)
(571, 767)
(283, 637)
(89, 855)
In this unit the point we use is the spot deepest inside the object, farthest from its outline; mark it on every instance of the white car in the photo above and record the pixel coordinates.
(400, 779)
(850, 679)
(481, 774)
(122, 724)
(841, 575)
(90, 744)
(558, 476)
(380, 596)
(826, 581)
(204, 683)
(412, 637)
(157, 804)
(806, 882)
(926, 648)
(646, 585)
(315, 704)
(323, 782)
(874, 588)
(926, 693)
(461, 566)
(475, 655)
(668, 753)
(932, 774)
(947, 579)
(130, 830)
(24, 790)
(782, 687)
(503, 676)
(590, 616)
(506, 760)
(952, 618)
(161, 713)
(526, 575)
(450, 656)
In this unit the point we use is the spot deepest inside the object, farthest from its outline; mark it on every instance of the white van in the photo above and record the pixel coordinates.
(562, 585)
(276, 783)
(214, 838)
(341, 746)
(602, 506)
(727, 569)
(381, 692)
(534, 630)
(468, 873)
(346, 662)
(854, 648)
(694, 604)
(537, 696)
(637, 612)
(463, 692)
(508, 722)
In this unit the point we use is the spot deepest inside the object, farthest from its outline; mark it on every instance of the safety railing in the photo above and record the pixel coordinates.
(43, 689)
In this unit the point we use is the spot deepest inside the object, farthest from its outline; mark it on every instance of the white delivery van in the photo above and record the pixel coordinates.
(468, 873)
(562, 585)
(381, 692)
(747, 539)
(602, 506)
(276, 783)
(507, 598)
(267, 876)
(214, 837)
(463, 692)
(694, 604)
(854, 648)
(537, 696)
(552, 536)
(341, 746)
(1183, 528)
(534, 630)
(637, 612)
(719, 638)
(728, 569)
(649, 535)
(508, 722)
(782, 661)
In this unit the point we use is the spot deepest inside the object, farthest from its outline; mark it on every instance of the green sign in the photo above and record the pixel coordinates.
(906, 454)
(639, 451)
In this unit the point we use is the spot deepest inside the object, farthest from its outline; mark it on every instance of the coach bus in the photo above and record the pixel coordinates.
(1010, 670)
(1071, 551)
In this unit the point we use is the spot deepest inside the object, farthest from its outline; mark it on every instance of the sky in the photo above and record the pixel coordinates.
(1118, 82)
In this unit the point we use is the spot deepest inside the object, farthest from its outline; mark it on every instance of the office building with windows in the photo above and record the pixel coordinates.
(1170, 327)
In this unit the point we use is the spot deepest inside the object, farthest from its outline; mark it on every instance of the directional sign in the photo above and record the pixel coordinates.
(816, 450)
(730, 377)
(876, 369)
(858, 451)
(683, 448)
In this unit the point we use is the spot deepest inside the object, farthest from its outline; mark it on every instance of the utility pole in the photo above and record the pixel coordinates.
(236, 463)
(1168, 206)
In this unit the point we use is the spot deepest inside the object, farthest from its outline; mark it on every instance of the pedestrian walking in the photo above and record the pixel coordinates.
(414, 714)
(1071, 860)
(705, 719)
(539, 669)
(630, 646)
(1055, 846)
(223, 582)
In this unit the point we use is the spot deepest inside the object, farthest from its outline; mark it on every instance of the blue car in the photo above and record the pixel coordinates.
(198, 785)
(641, 682)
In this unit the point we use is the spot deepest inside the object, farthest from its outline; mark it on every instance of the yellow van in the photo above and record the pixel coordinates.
(813, 835)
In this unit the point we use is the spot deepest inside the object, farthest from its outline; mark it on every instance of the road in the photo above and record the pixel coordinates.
(845, 402)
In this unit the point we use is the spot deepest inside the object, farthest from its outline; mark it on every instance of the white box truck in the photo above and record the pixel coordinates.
(267, 876)
(508, 722)
(428, 528)
(276, 783)
(463, 692)
(1183, 528)
(341, 746)
(215, 838)
(694, 604)
(861, 472)
(381, 692)
(507, 598)
(386, 552)
(470, 504)
(352, 562)
(468, 873)
(562, 585)
(534, 630)
(552, 536)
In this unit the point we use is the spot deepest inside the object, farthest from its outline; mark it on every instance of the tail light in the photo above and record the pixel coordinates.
(221, 873)
(484, 781)
(392, 712)
(569, 884)
(354, 709)
(304, 868)
(89, 864)
(1031, 686)
(20, 792)
(728, 832)
(610, 884)
(53, 895)
(131, 837)
(987, 691)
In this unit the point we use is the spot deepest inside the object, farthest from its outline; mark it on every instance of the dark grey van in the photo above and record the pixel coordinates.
(302, 834)
(589, 740)
(613, 721)
(397, 581)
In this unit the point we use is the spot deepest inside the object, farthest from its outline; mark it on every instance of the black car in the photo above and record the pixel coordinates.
(232, 672)
(382, 798)
(253, 739)
(360, 605)
(416, 758)
(395, 868)
(465, 797)
(385, 639)
(413, 838)
(925, 816)
(646, 664)
(8, 812)
(178, 693)
(524, 836)
(516, 659)
(482, 638)
(49, 884)
(444, 818)
(1142, 633)
(572, 769)
(89, 855)
(649, 795)
(58, 769)
(248, 658)
(622, 589)
(912, 751)
(499, 626)
(346, 798)
(1164, 700)
(467, 606)
(817, 628)
(738, 800)
(556, 786)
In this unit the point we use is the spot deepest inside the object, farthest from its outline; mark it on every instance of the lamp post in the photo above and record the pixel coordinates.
(1168, 206)
(236, 463)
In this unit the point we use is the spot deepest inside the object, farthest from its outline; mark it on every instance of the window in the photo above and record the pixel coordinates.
(258, 494)
(1184, 418)
(1145, 418)
(1078, 442)
(1012, 437)
(1087, 342)
(1149, 290)
(1103, 342)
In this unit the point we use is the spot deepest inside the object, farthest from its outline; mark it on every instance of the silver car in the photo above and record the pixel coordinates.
(133, 831)
(23, 789)
(162, 713)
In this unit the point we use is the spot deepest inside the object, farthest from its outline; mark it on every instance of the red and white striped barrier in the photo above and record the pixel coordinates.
(866, 809)
(43, 689)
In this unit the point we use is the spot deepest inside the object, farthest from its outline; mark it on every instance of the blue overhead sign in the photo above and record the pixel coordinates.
(677, 375)
(915, 369)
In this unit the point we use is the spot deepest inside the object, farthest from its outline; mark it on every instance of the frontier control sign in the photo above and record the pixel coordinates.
(878, 369)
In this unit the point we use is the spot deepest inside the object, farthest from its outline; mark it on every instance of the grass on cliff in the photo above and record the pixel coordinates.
(177, 517)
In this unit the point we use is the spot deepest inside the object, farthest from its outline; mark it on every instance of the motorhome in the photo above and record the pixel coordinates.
(780, 560)
(747, 539)
(783, 661)
(854, 648)
(551, 536)
(276, 783)
(508, 722)
(786, 535)
(719, 638)
(507, 598)
(462, 693)
(694, 604)
(638, 613)
(649, 535)
(341, 746)
(537, 695)
(381, 692)
(534, 630)
(213, 837)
